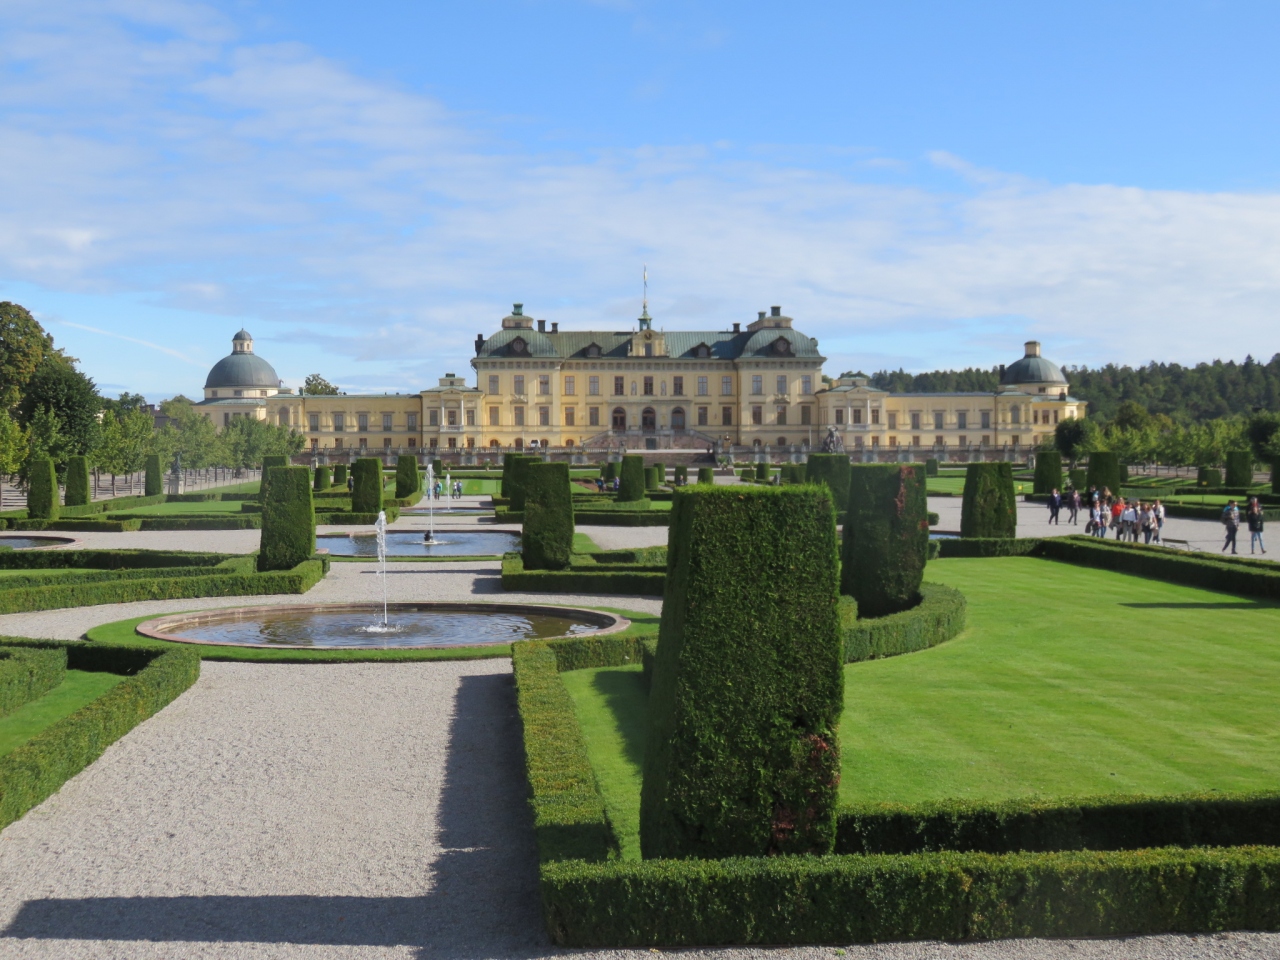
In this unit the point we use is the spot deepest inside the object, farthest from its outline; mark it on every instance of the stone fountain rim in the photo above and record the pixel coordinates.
(154, 628)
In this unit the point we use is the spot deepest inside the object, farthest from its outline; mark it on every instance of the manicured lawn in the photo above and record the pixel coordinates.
(183, 508)
(45, 571)
(955, 485)
(1068, 681)
(476, 488)
(584, 544)
(78, 689)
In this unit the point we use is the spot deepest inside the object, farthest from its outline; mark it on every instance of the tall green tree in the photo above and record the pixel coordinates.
(24, 345)
(71, 395)
(125, 442)
(245, 441)
(317, 386)
(1075, 438)
(45, 439)
(13, 445)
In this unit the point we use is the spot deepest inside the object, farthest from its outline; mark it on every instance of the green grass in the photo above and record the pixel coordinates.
(180, 509)
(584, 544)
(1068, 681)
(79, 689)
(476, 488)
(45, 571)
(955, 485)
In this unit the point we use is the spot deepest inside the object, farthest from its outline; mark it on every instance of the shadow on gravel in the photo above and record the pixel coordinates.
(484, 898)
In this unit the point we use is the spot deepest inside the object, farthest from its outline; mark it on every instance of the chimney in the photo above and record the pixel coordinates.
(517, 309)
(542, 326)
(1033, 348)
(737, 328)
(775, 311)
(759, 314)
(479, 343)
(555, 326)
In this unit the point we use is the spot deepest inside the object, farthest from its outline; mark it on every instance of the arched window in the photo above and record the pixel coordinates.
(619, 419)
(782, 441)
(519, 444)
(677, 418)
(568, 443)
(494, 443)
(648, 419)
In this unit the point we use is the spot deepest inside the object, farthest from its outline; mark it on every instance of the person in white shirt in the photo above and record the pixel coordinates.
(1129, 523)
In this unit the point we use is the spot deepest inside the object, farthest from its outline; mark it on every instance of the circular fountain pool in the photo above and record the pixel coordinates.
(446, 543)
(34, 543)
(359, 625)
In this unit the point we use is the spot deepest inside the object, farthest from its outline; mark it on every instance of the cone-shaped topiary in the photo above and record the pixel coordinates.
(267, 464)
(1048, 475)
(366, 490)
(833, 470)
(153, 483)
(650, 478)
(288, 521)
(76, 493)
(340, 475)
(742, 757)
(1104, 471)
(706, 475)
(1208, 477)
(631, 478)
(42, 489)
(931, 467)
(886, 537)
(546, 541)
(989, 508)
(681, 475)
(323, 480)
(762, 472)
(1239, 468)
(407, 480)
(518, 484)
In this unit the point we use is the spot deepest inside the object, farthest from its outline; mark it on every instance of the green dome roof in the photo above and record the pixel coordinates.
(1032, 368)
(242, 370)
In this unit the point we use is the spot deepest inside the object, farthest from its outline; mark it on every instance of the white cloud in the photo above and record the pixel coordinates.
(146, 150)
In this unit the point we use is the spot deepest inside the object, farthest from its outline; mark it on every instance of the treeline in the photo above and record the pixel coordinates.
(1207, 391)
(49, 408)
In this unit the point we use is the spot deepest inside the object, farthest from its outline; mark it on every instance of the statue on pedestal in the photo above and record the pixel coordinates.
(832, 443)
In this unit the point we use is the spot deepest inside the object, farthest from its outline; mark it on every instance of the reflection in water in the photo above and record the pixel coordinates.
(447, 543)
(27, 543)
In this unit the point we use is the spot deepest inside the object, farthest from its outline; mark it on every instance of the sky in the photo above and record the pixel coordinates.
(365, 187)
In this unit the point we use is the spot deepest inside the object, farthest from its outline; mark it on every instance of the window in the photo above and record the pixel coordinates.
(386, 423)
(963, 441)
(893, 421)
(364, 443)
(517, 386)
(1055, 416)
(937, 419)
(986, 438)
(757, 415)
(782, 416)
(962, 420)
(677, 418)
(452, 416)
(386, 443)
(857, 416)
(411, 421)
(702, 416)
(648, 419)
(702, 386)
(1035, 416)
(214, 393)
(313, 421)
(593, 386)
(493, 383)
(1015, 415)
(362, 422)
(806, 384)
(593, 416)
(413, 442)
(782, 384)
(238, 393)
(840, 417)
(315, 444)
(986, 422)
(433, 417)
(619, 386)
(677, 386)
(939, 441)
(893, 441)
(519, 412)
(648, 349)
(593, 351)
(544, 385)
(782, 441)
(726, 416)
(726, 386)
(453, 442)
(648, 386)
(544, 416)
(875, 441)
(568, 417)
(494, 416)
(337, 444)
(757, 384)
(619, 418)
(915, 421)
(570, 388)
(806, 416)
(339, 422)
(915, 441)
(471, 418)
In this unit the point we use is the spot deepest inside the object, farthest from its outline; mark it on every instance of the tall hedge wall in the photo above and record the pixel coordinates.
(1079, 479)
(76, 493)
(989, 508)
(886, 536)
(1208, 477)
(288, 521)
(366, 493)
(747, 686)
(1104, 471)
(408, 482)
(1239, 468)
(931, 467)
(631, 478)
(42, 489)
(706, 475)
(1048, 476)
(268, 462)
(324, 479)
(546, 540)
(154, 482)
(833, 470)
(518, 482)
(340, 475)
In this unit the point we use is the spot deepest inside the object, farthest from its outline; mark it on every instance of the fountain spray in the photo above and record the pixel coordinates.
(431, 516)
(380, 528)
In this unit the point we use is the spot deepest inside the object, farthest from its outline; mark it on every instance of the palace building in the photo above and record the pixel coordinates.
(596, 390)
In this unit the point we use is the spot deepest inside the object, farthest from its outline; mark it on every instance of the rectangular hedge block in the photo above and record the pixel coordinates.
(631, 480)
(989, 508)
(153, 484)
(42, 490)
(547, 535)
(76, 492)
(27, 674)
(288, 522)
(366, 494)
(886, 535)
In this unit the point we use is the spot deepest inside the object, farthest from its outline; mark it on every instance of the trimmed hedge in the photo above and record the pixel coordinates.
(76, 491)
(42, 489)
(504, 485)
(340, 475)
(518, 483)
(408, 480)
(153, 485)
(1275, 477)
(323, 480)
(1208, 477)
(989, 508)
(747, 473)
(288, 522)
(631, 485)
(27, 675)
(36, 770)
(1079, 479)
(937, 618)
(1048, 475)
(660, 471)
(650, 479)
(640, 580)
(681, 476)
(1239, 468)
(762, 472)
(108, 559)
(747, 688)
(610, 470)
(706, 475)
(366, 494)
(546, 540)
(886, 534)
(931, 467)
(987, 547)
(1104, 471)
(939, 896)
(833, 470)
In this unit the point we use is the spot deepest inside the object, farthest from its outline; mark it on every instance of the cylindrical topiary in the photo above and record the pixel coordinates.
(76, 492)
(681, 475)
(660, 471)
(631, 479)
(153, 483)
(931, 467)
(366, 489)
(267, 463)
(407, 480)
(650, 478)
(762, 472)
(42, 489)
(1079, 479)
(438, 466)
(1048, 475)
(886, 537)
(989, 508)
(610, 470)
(742, 757)
(340, 475)
(706, 475)
(1208, 477)
(747, 473)
(546, 539)
(508, 464)
(1239, 468)
(833, 470)
(323, 479)
(1104, 471)
(1275, 476)
(288, 520)
(518, 481)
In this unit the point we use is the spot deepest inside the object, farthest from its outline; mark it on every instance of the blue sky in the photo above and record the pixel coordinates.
(366, 187)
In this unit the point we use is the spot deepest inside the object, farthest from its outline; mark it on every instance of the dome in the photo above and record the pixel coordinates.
(243, 335)
(1032, 368)
(242, 370)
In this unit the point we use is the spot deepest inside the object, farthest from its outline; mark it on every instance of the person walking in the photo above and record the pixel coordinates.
(1231, 520)
(1158, 509)
(1148, 522)
(1055, 505)
(1117, 518)
(1073, 505)
(1128, 523)
(1254, 518)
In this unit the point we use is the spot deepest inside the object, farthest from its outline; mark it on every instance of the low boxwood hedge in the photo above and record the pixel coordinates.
(87, 525)
(26, 674)
(987, 547)
(37, 769)
(939, 616)
(624, 580)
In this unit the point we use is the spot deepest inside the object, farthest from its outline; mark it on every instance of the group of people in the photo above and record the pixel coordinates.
(455, 490)
(1130, 519)
(1253, 518)
(602, 484)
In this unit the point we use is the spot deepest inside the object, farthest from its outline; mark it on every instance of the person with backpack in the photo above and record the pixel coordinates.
(1231, 520)
(1254, 518)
